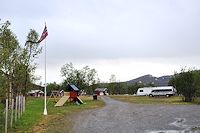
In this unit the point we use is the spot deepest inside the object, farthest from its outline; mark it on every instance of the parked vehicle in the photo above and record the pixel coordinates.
(163, 91)
(145, 91)
(156, 91)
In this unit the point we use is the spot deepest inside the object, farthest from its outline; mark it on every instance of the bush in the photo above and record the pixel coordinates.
(187, 83)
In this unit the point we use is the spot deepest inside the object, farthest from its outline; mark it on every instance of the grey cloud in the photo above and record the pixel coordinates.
(110, 29)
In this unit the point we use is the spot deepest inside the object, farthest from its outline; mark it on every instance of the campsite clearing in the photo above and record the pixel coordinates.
(58, 118)
(123, 117)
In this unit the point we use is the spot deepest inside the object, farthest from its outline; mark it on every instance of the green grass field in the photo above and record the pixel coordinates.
(33, 119)
(152, 100)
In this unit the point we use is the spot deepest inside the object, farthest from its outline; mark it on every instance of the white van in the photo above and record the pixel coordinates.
(157, 91)
(163, 91)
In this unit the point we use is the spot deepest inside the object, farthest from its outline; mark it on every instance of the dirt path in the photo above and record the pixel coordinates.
(120, 117)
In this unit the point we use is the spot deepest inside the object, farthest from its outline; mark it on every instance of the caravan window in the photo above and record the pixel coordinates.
(161, 90)
(141, 90)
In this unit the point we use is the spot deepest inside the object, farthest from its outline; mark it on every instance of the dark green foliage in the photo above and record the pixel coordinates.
(132, 89)
(197, 82)
(2, 88)
(53, 86)
(187, 83)
(2, 118)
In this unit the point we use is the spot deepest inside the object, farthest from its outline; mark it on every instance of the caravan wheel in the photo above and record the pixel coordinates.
(150, 95)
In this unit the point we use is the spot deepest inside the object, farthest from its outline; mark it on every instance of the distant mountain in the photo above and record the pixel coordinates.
(149, 79)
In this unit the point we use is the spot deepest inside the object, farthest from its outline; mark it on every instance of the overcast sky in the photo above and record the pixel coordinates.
(128, 38)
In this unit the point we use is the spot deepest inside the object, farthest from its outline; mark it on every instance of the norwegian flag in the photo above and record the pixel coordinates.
(44, 34)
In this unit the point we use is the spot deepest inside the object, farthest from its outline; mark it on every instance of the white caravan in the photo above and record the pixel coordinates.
(144, 91)
(157, 91)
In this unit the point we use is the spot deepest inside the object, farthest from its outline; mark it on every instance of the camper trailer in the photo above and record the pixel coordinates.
(157, 91)
(144, 91)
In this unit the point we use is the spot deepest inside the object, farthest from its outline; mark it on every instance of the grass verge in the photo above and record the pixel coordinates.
(58, 118)
(152, 100)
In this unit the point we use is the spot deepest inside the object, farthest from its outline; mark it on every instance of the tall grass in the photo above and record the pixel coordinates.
(32, 115)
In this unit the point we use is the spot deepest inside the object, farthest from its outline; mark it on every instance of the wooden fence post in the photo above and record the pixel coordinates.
(21, 104)
(16, 106)
(6, 119)
(18, 111)
(11, 119)
(24, 103)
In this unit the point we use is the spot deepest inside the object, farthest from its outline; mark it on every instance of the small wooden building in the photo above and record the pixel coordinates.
(101, 91)
(36, 93)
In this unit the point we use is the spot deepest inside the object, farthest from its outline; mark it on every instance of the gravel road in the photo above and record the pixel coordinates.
(121, 117)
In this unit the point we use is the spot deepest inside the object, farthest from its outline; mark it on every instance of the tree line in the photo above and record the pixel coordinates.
(87, 79)
(186, 82)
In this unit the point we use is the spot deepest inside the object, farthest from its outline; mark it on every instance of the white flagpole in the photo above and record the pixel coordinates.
(45, 85)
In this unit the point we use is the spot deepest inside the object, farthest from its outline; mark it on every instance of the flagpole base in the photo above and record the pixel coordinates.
(45, 111)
